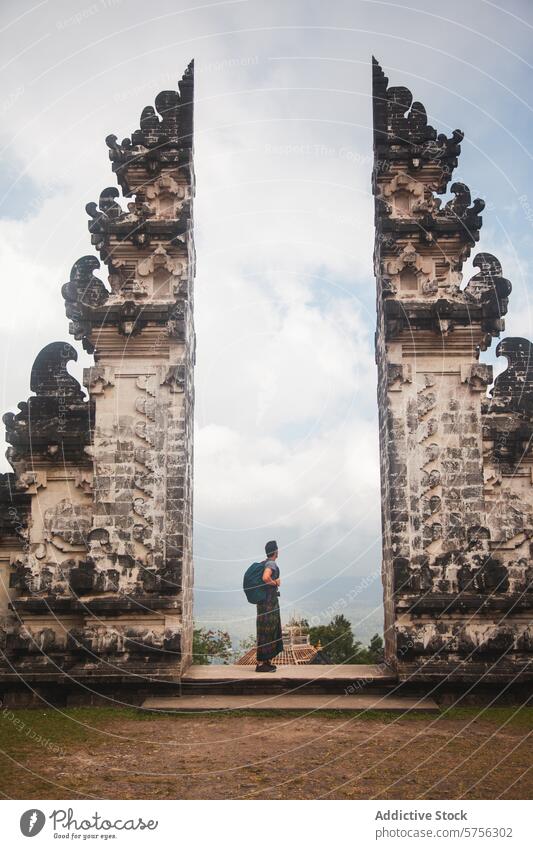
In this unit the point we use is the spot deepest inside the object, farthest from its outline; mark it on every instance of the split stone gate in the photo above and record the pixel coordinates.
(96, 518)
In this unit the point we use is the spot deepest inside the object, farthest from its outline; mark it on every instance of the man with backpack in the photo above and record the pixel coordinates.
(261, 585)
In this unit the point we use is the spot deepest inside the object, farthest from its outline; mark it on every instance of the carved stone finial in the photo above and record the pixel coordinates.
(57, 417)
(491, 290)
(83, 294)
(513, 388)
(83, 287)
(49, 375)
(164, 137)
(401, 128)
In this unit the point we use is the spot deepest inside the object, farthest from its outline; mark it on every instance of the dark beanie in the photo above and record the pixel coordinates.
(271, 547)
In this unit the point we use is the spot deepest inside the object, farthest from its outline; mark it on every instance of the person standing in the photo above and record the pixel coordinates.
(269, 639)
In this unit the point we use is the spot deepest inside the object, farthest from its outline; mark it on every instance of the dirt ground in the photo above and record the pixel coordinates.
(469, 753)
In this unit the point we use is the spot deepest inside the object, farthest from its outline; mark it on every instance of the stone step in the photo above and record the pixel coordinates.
(348, 679)
(290, 701)
(256, 688)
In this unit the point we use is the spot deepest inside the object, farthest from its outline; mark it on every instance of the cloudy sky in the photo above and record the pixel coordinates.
(286, 442)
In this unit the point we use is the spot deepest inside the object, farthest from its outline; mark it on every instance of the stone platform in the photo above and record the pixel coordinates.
(348, 679)
(299, 688)
(301, 672)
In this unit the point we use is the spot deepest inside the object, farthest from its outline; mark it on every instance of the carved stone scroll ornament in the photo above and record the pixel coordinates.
(491, 290)
(513, 388)
(83, 295)
(56, 418)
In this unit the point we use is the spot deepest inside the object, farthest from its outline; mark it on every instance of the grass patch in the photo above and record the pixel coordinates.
(514, 716)
(20, 729)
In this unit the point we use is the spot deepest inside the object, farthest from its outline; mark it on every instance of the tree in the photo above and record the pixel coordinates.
(375, 650)
(373, 653)
(247, 644)
(209, 644)
(337, 640)
(340, 646)
(298, 622)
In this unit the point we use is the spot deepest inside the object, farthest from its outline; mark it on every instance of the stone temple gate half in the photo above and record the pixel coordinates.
(456, 463)
(96, 517)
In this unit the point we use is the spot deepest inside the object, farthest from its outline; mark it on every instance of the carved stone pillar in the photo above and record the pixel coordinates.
(450, 609)
(110, 533)
(142, 335)
(53, 473)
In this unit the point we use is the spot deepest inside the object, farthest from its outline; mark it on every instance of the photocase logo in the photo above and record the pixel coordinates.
(32, 822)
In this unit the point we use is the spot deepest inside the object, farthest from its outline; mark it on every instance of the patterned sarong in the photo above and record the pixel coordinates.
(269, 641)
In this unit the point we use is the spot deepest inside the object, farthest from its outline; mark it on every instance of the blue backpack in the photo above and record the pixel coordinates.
(253, 584)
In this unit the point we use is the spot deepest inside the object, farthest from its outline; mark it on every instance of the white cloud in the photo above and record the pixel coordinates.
(252, 482)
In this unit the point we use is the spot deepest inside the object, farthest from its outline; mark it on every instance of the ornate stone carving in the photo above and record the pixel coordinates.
(401, 131)
(56, 418)
(83, 294)
(513, 388)
(489, 290)
(165, 136)
(478, 376)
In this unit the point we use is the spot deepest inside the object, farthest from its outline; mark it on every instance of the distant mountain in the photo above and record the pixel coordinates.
(358, 598)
